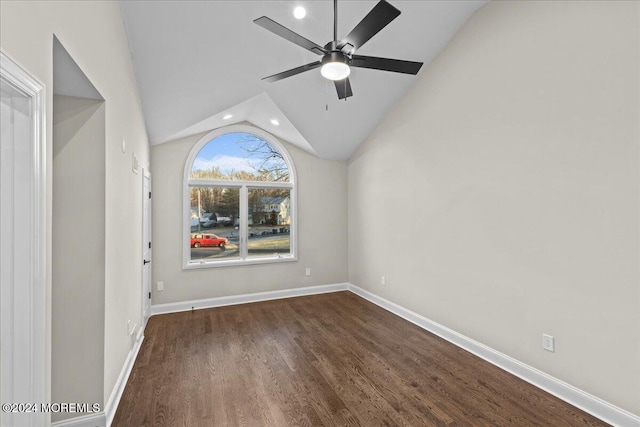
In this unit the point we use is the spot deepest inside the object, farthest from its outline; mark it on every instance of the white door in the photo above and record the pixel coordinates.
(23, 243)
(146, 246)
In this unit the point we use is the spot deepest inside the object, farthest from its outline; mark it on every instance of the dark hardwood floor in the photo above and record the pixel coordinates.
(332, 359)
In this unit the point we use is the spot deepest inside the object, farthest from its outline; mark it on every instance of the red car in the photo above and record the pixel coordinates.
(198, 240)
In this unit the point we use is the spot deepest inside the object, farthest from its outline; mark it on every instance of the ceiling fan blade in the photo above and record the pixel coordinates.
(292, 72)
(385, 64)
(284, 32)
(378, 18)
(344, 88)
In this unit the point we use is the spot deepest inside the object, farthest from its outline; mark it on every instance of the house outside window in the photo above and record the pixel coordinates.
(240, 191)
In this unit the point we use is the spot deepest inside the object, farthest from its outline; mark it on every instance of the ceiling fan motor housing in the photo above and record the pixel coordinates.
(334, 56)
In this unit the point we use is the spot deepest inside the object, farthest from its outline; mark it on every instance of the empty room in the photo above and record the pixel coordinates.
(319, 213)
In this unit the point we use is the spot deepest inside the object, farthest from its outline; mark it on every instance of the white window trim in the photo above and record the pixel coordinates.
(187, 264)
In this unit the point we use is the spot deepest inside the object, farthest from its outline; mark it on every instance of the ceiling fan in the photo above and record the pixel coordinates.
(339, 56)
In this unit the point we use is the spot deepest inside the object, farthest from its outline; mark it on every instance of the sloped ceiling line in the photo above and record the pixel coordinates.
(193, 59)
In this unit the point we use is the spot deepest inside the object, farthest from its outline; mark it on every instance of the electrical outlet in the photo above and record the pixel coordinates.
(548, 343)
(128, 326)
(160, 286)
(383, 281)
(124, 145)
(307, 271)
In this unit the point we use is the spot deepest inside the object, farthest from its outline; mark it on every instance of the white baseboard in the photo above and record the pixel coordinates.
(105, 417)
(112, 404)
(576, 397)
(246, 298)
(92, 420)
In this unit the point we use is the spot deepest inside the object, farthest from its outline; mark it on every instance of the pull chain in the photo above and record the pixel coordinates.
(326, 95)
(345, 90)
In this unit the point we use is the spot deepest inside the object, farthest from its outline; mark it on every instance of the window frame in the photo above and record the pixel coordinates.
(243, 186)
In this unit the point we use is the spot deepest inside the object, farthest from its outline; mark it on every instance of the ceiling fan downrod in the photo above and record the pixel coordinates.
(335, 20)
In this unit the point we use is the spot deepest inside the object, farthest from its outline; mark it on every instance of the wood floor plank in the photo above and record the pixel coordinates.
(333, 360)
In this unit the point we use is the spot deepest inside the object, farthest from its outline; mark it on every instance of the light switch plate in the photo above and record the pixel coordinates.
(135, 163)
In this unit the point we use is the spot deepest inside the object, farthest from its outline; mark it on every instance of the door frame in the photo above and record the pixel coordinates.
(146, 222)
(26, 305)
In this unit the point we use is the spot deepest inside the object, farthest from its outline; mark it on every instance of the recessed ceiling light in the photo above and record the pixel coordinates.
(227, 116)
(275, 122)
(299, 12)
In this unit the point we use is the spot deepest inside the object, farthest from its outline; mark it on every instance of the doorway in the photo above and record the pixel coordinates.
(146, 247)
(23, 305)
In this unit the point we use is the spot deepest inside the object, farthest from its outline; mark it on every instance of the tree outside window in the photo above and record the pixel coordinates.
(239, 186)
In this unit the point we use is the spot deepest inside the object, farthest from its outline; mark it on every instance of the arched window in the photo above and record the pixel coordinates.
(239, 200)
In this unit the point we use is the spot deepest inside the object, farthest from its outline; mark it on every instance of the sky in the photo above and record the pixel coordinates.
(227, 153)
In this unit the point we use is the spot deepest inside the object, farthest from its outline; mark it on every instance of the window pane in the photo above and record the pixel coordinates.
(240, 156)
(269, 222)
(214, 218)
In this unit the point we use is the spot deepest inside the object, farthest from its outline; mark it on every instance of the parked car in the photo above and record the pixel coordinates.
(208, 223)
(225, 221)
(198, 240)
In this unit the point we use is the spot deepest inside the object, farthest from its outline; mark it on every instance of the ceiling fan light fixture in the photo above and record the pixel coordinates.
(334, 66)
(335, 71)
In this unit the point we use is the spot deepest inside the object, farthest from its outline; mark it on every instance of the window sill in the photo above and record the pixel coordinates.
(192, 265)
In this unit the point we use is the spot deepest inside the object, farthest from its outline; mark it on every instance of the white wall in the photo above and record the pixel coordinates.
(511, 170)
(322, 231)
(78, 252)
(93, 34)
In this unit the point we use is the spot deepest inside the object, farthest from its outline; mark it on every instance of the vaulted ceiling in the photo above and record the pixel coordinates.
(198, 61)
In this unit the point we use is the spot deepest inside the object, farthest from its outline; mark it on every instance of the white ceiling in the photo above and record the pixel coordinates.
(196, 61)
